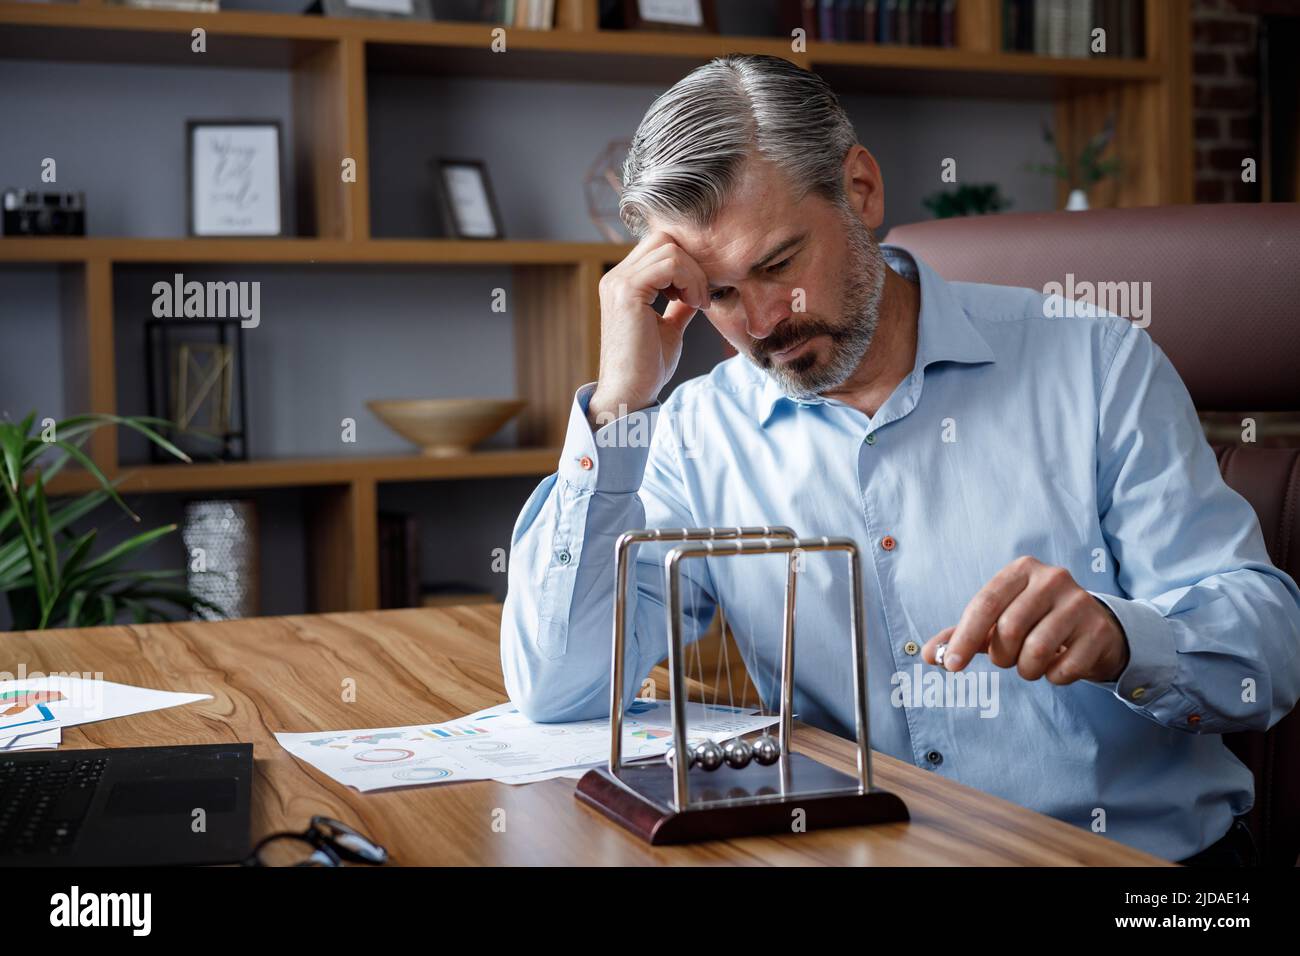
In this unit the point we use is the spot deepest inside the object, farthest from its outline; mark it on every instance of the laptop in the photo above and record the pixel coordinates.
(130, 806)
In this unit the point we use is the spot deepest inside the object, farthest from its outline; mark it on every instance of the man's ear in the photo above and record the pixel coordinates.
(864, 187)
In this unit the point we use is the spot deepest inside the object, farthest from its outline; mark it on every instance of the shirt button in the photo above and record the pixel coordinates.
(888, 542)
(934, 757)
(911, 647)
(563, 557)
(871, 439)
(585, 462)
(1137, 693)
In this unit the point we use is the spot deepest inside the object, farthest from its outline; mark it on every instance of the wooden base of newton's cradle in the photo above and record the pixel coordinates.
(641, 800)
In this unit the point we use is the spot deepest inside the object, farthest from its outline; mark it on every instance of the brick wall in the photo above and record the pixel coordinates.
(1225, 68)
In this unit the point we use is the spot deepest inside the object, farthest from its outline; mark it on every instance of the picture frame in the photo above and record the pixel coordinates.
(468, 204)
(379, 9)
(671, 16)
(234, 178)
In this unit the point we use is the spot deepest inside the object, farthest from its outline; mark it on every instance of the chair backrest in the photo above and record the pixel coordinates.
(1224, 283)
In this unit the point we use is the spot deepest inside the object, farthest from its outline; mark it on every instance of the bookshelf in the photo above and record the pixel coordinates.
(555, 309)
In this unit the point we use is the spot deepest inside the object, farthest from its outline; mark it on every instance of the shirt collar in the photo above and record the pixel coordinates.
(944, 334)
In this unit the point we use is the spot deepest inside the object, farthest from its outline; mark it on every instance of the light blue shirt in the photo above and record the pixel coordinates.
(1071, 439)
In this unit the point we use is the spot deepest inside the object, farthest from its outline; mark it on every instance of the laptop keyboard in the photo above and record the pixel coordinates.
(43, 802)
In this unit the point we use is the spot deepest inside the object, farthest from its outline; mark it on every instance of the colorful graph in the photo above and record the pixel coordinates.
(487, 746)
(14, 703)
(384, 755)
(453, 730)
(421, 774)
(652, 733)
(375, 738)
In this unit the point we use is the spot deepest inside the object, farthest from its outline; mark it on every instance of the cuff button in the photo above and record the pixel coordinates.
(585, 462)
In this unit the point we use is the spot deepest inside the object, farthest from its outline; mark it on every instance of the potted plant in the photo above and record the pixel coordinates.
(1088, 168)
(973, 199)
(50, 575)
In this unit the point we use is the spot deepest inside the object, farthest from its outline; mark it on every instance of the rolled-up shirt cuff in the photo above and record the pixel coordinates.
(1152, 656)
(612, 458)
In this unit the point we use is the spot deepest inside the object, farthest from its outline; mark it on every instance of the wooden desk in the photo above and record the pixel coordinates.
(288, 673)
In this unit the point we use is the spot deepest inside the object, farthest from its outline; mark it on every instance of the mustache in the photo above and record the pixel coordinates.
(780, 342)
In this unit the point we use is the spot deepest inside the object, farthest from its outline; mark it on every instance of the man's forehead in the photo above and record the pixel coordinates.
(759, 210)
(726, 244)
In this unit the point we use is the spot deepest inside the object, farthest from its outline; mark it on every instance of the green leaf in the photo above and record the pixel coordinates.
(91, 467)
(47, 535)
(77, 554)
(127, 547)
(107, 609)
(74, 608)
(12, 444)
(19, 504)
(25, 427)
(12, 555)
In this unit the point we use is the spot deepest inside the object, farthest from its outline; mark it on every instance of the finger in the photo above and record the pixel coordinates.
(1078, 659)
(671, 269)
(1015, 623)
(650, 243)
(982, 612)
(679, 314)
(929, 648)
(1043, 645)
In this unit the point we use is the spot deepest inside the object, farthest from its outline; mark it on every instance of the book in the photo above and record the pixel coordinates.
(1058, 18)
(185, 6)
(1040, 22)
(1025, 26)
(888, 21)
(826, 20)
(1078, 32)
(930, 22)
(854, 16)
(948, 23)
(797, 15)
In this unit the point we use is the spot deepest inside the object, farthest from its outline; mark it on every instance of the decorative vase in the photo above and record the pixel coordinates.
(1077, 202)
(221, 554)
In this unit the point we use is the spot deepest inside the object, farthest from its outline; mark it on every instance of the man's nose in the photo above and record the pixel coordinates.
(765, 309)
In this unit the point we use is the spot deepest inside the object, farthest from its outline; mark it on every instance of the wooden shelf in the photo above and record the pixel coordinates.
(269, 40)
(304, 251)
(306, 472)
(554, 304)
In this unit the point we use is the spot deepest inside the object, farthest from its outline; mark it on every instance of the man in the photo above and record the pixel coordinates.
(1031, 492)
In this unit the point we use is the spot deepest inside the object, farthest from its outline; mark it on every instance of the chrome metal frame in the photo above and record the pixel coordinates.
(728, 542)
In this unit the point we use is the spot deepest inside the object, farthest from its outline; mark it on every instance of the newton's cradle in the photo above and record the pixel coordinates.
(739, 788)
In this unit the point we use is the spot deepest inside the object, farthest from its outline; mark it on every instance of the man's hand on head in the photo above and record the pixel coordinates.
(1036, 617)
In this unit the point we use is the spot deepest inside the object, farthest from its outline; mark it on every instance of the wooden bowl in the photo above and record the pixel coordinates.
(443, 427)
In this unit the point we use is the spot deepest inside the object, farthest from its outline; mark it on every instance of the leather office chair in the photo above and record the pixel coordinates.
(1225, 283)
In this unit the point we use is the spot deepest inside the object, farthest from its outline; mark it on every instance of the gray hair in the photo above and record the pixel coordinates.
(694, 139)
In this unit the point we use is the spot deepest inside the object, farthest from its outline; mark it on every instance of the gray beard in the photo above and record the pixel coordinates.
(808, 377)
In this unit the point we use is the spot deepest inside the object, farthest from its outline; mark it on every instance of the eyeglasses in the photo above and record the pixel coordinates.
(326, 842)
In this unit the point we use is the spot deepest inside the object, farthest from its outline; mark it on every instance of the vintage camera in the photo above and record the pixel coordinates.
(29, 212)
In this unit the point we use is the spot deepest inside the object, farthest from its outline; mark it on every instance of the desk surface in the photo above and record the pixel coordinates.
(287, 674)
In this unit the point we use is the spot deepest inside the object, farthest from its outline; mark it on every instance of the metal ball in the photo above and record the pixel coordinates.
(671, 756)
(709, 755)
(738, 753)
(766, 750)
